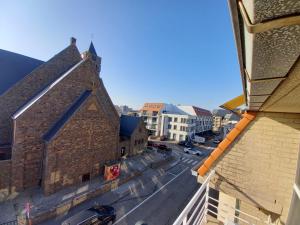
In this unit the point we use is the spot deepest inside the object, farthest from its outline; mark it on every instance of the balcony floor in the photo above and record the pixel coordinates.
(213, 221)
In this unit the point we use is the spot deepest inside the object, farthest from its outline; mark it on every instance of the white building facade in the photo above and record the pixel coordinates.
(180, 122)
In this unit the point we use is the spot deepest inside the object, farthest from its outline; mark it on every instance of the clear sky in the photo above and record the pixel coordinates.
(172, 51)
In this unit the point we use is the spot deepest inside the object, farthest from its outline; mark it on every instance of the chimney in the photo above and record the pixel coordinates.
(73, 41)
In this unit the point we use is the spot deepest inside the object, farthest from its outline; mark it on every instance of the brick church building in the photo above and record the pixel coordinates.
(58, 125)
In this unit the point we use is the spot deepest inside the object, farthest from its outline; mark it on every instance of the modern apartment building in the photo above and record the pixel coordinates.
(255, 169)
(180, 122)
(175, 122)
(151, 113)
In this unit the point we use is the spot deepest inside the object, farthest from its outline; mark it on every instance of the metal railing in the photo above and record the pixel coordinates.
(13, 222)
(202, 204)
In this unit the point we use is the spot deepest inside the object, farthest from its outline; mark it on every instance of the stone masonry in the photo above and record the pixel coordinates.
(87, 140)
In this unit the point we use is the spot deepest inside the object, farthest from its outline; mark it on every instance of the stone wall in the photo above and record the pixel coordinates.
(138, 139)
(28, 87)
(124, 143)
(29, 127)
(83, 146)
(259, 167)
(5, 176)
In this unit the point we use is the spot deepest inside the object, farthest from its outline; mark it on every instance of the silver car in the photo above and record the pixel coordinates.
(193, 151)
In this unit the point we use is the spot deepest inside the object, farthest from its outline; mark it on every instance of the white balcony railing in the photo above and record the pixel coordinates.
(197, 210)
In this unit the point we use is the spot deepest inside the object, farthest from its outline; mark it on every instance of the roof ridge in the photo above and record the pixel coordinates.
(66, 115)
(44, 91)
(21, 55)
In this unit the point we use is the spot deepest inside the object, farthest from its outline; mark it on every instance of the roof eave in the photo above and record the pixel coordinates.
(236, 24)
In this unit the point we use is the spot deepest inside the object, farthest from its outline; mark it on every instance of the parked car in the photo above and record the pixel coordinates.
(193, 151)
(189, 145)
(198, 139)
(163, 138)
(182, 143)
(163, 147)
(216, 141)
(97, 214)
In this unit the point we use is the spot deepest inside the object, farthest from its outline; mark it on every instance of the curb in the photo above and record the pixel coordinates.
(106, 187)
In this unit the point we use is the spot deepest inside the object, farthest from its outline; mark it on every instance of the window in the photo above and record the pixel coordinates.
(175, 119)
(170, 119)
(181, 120)
(85, 177)
(175, 127)
(123, 151)
(174, 136)
(169, 126)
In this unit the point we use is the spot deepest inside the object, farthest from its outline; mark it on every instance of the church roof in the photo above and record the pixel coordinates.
(92, 49)
(66, 116)
(128, 124)
(14, 67)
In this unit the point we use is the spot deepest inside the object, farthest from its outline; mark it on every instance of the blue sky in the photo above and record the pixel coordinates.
(179, 52)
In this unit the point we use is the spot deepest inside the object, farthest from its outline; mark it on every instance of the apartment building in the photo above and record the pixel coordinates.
(151, 113)
(180, 122)
(255, 169)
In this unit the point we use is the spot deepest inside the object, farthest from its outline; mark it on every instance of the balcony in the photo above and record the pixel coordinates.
(151, 127)
(205, 209)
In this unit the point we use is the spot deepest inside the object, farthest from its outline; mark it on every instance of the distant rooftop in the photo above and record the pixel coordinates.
(128, 124)
(14, 67)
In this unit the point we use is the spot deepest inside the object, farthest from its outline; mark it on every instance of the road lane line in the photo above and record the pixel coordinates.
(137, 206)
(189, 161)
(185, 160)
(194, 163)
(171, 173)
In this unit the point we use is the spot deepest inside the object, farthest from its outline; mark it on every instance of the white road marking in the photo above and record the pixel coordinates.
(194, 163)
(185, 160)
(189, 161)
(171, 173)
(150, 196)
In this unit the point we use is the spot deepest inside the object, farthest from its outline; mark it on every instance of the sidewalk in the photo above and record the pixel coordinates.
(44, 207)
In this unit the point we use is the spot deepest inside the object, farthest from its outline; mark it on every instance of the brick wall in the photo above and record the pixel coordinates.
(259, 167)
(37, 120)
(21, 92)
(138, 139)
(124, 143)
(5, 176)
(83, 146)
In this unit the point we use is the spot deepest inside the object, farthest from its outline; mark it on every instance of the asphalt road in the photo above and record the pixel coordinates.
(157, 197)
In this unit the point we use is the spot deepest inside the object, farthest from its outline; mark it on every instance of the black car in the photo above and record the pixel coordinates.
(96, 215)
(182, 143)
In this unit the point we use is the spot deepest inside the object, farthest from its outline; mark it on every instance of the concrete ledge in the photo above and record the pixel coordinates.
(68, 204)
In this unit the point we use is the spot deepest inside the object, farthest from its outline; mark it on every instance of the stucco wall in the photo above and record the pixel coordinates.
(259, 167)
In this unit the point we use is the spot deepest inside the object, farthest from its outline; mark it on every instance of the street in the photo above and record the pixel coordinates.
(156, 197)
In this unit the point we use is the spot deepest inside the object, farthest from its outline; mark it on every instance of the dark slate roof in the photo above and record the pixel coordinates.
(92, 49)
(66, 116)
(128, 124)
(14, 67)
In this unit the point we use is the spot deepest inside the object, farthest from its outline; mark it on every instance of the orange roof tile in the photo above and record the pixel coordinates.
(231, 136)
(156, 107)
